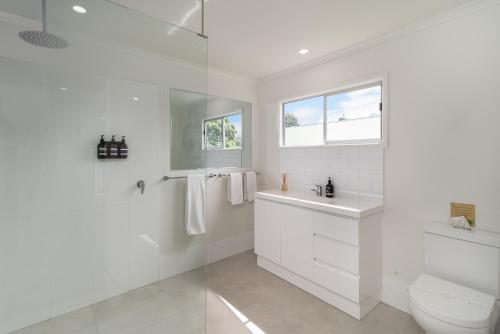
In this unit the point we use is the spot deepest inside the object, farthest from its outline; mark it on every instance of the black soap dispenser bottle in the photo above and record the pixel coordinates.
(123, 149)
(329, 189)
(113, 148)
(102, 150)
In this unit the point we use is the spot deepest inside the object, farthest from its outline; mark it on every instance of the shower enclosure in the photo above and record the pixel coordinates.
(75, 230)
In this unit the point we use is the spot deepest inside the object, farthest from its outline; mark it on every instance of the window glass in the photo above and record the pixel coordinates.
(232, 131)
(229, 136)
(303, 122)
(355, 115)
(214, 133)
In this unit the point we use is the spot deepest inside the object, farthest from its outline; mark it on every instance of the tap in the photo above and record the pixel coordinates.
(317, 189)
(141, 184)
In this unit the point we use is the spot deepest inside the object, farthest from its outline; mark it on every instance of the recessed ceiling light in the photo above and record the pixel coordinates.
(303, 51)
(64, 88)
(79, 9)
(135, 98)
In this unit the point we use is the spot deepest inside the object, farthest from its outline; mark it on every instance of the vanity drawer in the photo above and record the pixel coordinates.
(342, 283)
(337, 228)
(336, 253)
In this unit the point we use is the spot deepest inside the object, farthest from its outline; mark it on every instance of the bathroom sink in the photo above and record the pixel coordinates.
(355, 205)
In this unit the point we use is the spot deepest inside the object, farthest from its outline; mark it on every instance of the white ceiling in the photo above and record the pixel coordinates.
(257, 38)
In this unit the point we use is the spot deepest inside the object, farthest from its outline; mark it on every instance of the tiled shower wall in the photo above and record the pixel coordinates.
(352, 168)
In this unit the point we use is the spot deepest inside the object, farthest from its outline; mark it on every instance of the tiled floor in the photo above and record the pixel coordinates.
(241, 298)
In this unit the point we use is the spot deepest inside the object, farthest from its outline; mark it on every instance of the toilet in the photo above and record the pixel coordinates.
(458, 294)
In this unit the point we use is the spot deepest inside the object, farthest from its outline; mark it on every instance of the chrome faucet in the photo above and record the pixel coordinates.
(141, 184)
(317, 189)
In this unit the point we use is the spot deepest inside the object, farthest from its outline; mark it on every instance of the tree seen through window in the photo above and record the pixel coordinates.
(230, 136)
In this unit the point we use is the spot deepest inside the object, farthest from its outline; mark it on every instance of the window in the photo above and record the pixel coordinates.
(214, 133)
(355, 115)
(303, 122)
(223, 132)
(347, 116)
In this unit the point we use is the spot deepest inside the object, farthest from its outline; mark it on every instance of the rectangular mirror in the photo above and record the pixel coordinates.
(213, 132)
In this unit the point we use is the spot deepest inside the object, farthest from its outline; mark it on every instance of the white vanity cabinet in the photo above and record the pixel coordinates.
(267, 231)
(336, 257)
(296, 240)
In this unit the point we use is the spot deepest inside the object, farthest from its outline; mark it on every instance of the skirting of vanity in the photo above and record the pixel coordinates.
(331, 248)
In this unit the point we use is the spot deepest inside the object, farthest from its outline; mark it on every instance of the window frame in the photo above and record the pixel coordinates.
(352, 86)
(204, 135)
(282, 118)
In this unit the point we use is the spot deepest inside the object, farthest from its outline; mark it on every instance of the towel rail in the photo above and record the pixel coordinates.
(166, 178)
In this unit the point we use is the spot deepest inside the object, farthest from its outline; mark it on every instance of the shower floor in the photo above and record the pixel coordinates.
(239, 298)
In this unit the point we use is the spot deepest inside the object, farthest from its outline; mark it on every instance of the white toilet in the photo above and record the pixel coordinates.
(459, 292)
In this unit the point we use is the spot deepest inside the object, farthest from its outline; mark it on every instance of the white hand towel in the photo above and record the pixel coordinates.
(196, 199)
(250, 185)
(235, 188)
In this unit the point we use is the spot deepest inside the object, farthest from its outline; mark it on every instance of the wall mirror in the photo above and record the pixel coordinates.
(209, 131)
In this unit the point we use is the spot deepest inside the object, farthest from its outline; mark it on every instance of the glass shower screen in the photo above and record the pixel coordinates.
(76, 234)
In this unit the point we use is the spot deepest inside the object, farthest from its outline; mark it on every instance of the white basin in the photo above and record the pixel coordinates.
(352, 205)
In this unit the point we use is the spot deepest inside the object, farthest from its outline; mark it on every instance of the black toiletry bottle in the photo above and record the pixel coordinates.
(113, 148)
(123, 149)
(329, 190)
(102, 150)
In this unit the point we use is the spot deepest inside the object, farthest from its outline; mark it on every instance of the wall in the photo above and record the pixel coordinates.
(351, 168)
(443, 127)
(74, 230)
(230, 228)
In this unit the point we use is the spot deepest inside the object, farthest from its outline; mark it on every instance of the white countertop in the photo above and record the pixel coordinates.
(351, 205)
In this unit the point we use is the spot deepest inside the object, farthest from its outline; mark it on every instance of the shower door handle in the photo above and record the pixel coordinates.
(141, 184)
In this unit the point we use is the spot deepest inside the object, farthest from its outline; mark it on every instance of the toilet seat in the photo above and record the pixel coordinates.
(451, 302)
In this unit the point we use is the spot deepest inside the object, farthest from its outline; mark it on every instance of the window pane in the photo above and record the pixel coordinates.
(355, 115)
(303, 122)
(232, 130)
(213, 131)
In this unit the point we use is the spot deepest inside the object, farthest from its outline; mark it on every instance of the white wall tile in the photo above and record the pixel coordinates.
(370, 175)
(352, 168)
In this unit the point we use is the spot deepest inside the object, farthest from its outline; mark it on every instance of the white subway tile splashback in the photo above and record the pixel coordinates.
(352, 168)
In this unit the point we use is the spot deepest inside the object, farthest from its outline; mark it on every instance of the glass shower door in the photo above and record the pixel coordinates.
(79, 242)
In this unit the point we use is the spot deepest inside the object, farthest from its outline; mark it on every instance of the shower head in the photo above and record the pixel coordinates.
(43, 38)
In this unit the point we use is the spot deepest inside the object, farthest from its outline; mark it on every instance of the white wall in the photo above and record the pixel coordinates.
(230, 228)
(443, 129)
(75, 230)
(351, 168)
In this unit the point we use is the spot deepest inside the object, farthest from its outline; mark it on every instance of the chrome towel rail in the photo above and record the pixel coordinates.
(166, 178)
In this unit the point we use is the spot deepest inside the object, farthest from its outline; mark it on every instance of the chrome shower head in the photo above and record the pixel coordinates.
(43, 38)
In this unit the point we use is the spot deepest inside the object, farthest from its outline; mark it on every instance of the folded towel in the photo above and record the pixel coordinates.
(196, 199)
(235, 188)
(250, 185)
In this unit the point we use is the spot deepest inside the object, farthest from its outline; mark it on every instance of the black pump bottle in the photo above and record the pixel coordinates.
(329, 189)
(123, 149)
(102, 150)
(113, 148)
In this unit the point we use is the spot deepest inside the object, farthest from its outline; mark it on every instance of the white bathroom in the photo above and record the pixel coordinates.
(263, 167)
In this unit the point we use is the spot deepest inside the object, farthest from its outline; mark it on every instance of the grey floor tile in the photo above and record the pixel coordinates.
(231, 296)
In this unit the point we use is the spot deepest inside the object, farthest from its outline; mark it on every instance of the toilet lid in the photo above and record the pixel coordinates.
(451, 302)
